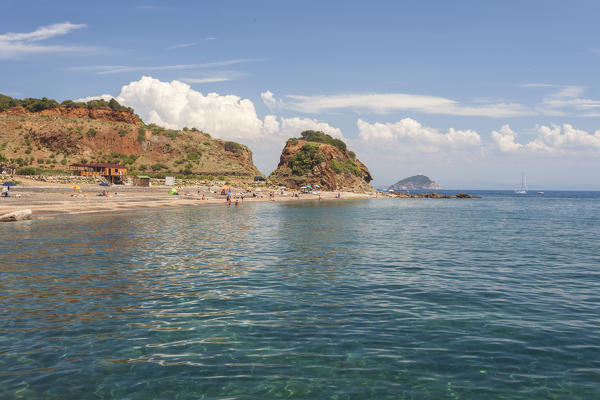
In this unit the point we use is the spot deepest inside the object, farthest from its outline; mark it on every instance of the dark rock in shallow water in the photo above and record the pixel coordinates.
(466, 196)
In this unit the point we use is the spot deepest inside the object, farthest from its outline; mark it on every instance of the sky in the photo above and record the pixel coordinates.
(469, 93)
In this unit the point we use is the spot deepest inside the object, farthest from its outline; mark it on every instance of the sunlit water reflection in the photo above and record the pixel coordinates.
(474, 299)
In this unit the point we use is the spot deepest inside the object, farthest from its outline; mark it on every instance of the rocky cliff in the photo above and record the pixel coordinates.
(54, 138)
(417, 182)
(102, 113)
(329, 165)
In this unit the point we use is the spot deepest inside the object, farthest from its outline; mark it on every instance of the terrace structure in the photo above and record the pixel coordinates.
(113, 173)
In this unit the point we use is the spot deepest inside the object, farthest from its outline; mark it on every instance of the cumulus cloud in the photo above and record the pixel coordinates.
(14, 45)
(175, 105)
(269, 99)
(392, 102)
(505, 140)
(555, 139)
(408, 132)
(564, 139)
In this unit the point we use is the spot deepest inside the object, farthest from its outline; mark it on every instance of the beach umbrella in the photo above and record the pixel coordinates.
(75, 187)
(104, 184)
(317, 186)
(9, 184)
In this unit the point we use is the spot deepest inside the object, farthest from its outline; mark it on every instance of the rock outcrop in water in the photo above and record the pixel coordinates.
(319, 159)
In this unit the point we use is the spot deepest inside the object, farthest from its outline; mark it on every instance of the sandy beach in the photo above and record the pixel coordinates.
(48, 200)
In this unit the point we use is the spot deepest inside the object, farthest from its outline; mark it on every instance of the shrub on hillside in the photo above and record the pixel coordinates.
(303, 160)
(336, 166)
(72, 104)
(321, 137)
(37, 105)
(233, 147)
(141, 134)
(7, 102)
(26, 171)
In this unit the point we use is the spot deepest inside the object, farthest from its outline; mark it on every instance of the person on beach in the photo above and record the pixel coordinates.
(236, 203)
(228, 200)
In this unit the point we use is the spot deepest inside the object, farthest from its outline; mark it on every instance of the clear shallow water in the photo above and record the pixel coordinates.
(496, 298)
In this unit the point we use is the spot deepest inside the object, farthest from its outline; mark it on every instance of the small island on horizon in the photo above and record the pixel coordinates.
(416, 182)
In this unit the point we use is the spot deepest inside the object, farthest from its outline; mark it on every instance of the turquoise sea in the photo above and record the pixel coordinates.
(491, 298)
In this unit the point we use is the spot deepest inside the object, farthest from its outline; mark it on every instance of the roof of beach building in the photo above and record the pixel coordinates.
(99, 165)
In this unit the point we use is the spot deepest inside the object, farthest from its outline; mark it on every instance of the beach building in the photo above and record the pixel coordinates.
(114, 173)
(141, 180)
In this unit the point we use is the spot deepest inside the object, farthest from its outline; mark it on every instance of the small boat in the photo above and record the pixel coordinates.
(540, 192)
(523, 189)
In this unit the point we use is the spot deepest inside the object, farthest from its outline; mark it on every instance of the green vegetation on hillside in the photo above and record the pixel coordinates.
(304, 159)
(321, 137)
(36, 105)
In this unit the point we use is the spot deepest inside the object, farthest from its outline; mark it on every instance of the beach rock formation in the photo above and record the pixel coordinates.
(20, 215)
(41, 135)
(417, 182)
(318, 159)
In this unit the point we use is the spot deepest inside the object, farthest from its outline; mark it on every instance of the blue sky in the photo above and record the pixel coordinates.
(470, 93)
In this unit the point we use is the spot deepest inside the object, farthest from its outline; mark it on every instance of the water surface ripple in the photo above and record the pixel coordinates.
(496, 298)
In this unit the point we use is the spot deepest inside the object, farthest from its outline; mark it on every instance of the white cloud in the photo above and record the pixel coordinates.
(175, 105)
(206, 80)
(564, 139)
(505, 140)
(41, 33)
(210, 38)
(117, 69)
(269, 99)
(390, 102)
(105, 97)
(566, 100)
(410, 134)
(555, 140)
(182, 45)
(15, 45)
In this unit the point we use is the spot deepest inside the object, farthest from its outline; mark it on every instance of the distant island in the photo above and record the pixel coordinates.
(417, 182)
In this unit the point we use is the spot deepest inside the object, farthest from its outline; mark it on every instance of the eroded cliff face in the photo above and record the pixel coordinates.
(309, 163)
(55, 138)
(101, 113)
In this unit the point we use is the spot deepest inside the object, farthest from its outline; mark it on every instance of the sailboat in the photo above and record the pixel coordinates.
(523, 189)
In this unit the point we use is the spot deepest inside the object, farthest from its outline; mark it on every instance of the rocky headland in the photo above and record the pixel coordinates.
(319, 159)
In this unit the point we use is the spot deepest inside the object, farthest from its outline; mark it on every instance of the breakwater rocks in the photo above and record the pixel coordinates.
(432, 196)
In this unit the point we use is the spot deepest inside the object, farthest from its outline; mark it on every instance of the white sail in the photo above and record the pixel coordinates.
(523, 189)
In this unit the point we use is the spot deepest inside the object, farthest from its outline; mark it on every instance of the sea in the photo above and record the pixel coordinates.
(489, 298)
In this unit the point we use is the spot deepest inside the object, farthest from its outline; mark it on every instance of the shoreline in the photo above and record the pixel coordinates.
(48, 202)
